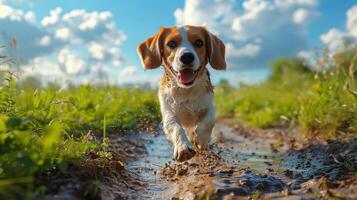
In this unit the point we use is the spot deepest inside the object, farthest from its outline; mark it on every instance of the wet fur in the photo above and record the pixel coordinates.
(188, 112)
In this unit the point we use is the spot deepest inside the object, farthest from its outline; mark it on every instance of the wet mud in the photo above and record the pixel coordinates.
(249, 163)
(243, 163)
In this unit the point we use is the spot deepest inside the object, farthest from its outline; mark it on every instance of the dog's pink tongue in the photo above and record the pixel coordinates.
(186, 76)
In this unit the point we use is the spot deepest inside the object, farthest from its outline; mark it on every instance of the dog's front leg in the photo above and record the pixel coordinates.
(204, 130)
(177, 136)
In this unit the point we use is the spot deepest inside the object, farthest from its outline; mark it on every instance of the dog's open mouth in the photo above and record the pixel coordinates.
(186, 76)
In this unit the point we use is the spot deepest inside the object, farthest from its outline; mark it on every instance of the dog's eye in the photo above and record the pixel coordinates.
(198, 43)
(172, 44)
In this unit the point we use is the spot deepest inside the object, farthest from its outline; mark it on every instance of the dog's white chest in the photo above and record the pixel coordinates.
(190, 108)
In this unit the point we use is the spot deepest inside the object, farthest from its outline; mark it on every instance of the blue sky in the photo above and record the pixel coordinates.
(255, 32)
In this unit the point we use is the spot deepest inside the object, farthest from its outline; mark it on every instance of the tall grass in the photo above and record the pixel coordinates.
(321, 99)
(272, 102)
(329, 107)
(43, 128)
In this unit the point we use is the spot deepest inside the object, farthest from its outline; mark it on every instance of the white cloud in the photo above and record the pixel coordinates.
(71, 62)
(97, 51)
(290, 3)
(335, 39)
(302, 15)
(9, 12)
(24, 30)
(352, 21)
(30, 17)
(249, 50)
(128, 71)
(63, 34)
(259, 32)
(211, 13)
(130, 76)
(78, 45)
(309, 56)
(42, 67)
(53, 18)
(45, 41)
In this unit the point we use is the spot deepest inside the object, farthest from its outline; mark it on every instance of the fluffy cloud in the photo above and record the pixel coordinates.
(128, 71)
(71, 62)
(303, 15)
(352, 21)
(249, 50)
(96, 30)
(131, 76)
(211, 13)
(78, 45)
(335, 39)
(291, 3)
(27, 35)
(53, 18)
(260, 32)
(44, 67)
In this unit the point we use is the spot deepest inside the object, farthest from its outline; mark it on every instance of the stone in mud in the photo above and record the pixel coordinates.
(239, 191)
(247, 183)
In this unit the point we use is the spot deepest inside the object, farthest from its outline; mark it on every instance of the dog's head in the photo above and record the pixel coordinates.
(183, 51)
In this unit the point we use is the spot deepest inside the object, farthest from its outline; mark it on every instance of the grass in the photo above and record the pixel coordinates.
(44, 128)
(321, 99)
(269, 103)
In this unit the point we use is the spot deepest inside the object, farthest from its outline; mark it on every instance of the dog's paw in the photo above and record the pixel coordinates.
(183, 153)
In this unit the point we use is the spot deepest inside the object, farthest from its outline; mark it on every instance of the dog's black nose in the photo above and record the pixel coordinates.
(187, 58)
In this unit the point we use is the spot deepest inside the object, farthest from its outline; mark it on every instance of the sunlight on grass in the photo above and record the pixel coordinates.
(322, 102)
(44, 128)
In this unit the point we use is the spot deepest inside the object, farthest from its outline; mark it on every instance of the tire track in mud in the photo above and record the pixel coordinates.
(243, 162)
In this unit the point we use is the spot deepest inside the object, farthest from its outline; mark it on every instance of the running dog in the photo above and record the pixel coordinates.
(186, 92)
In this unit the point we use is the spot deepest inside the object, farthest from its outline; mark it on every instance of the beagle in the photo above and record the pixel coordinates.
(186, 92)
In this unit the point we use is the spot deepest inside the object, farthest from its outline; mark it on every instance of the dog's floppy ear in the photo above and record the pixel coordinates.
(216, 51)
(149, 51)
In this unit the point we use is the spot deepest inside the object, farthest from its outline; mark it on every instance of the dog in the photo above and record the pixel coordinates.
(186, 92)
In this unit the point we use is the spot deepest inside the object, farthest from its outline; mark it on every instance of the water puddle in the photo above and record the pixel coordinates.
(148, 167)
(235, 166)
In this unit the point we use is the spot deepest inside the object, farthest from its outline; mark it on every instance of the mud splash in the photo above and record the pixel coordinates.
(235, 166)
(244, 163)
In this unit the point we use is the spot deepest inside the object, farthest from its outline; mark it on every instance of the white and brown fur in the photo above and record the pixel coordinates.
(187, 110)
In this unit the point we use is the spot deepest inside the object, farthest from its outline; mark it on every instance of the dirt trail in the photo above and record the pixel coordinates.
(243, 162)
(246, 162)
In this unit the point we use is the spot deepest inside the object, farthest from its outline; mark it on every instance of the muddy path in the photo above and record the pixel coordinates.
(245, 162)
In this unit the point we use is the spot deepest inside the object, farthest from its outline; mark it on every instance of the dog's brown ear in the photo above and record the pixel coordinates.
(216, 51)
(149, 51)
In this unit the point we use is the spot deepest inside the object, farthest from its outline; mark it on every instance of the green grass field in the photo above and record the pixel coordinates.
(44, 128)
(322, 99)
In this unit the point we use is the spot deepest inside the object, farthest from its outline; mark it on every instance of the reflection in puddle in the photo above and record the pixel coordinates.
(236, 152)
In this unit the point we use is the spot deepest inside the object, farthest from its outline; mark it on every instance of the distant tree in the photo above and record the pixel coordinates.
(30, 82)
(225, 85)
(285, 67)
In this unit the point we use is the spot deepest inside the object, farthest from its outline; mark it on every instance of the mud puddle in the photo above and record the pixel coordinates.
(245, 163)
(237, 164)
(158, 152)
